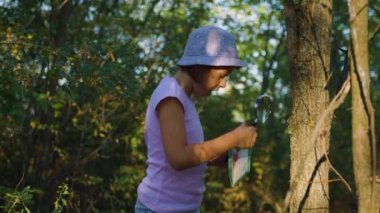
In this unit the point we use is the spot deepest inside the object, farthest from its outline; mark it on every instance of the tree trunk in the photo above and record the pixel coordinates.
(362, 112)
(308, 26)
(40, 165)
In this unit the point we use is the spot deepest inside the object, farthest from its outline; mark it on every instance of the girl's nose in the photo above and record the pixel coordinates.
(223, 83)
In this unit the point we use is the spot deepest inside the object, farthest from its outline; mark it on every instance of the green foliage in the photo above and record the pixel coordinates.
(76, 77)
(16, 201)
(61, 201)
(75, 81)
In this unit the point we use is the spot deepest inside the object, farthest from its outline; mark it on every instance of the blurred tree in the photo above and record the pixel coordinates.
(363, 124)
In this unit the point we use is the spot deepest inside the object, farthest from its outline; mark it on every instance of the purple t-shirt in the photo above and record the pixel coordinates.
(164, 189)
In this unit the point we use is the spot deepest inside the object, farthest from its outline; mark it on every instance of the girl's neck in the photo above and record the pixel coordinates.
(185, 81)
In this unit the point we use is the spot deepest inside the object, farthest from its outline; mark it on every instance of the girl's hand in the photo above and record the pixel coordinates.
(247, 136)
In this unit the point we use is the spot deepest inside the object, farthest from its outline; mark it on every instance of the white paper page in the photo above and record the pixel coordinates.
(239, 164)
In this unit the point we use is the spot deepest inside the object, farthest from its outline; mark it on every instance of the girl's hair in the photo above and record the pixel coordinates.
(196, 72)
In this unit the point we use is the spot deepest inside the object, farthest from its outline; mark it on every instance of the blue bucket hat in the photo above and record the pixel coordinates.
(212, 46)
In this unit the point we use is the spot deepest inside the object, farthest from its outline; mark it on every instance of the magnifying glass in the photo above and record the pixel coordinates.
(239, 160)
(262, 109)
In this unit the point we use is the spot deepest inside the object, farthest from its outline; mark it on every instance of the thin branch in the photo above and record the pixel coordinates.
(272, 58)
(377, 29)
(20, 181)
(353, 18)
(149, 13)
(334, 104)
(266, 71)
(63, 4)
(311, 181)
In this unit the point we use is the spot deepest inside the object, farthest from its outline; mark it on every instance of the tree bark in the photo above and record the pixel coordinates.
(363, 140)
(308, 26)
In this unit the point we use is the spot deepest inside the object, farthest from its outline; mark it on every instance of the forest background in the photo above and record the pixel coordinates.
(76, 77)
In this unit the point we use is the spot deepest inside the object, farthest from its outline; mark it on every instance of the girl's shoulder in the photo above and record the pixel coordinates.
(169, 87)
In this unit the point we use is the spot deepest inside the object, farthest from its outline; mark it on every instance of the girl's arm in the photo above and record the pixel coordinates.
(182, 155)
(220, 161)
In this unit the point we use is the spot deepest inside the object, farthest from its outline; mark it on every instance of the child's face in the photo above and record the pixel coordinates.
(213, 79)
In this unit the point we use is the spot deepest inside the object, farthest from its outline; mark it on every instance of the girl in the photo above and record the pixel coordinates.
(177, 152)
